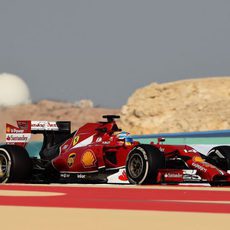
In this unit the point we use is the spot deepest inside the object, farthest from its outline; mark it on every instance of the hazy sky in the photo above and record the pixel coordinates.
(104, 50)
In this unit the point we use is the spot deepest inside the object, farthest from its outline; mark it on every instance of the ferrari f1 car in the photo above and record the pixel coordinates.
(98, 150)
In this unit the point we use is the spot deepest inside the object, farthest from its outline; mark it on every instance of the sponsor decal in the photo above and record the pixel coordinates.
(118, 177)
(199, 167)
(123, 176)
(218, 153)
(10, 138)
(13, 129)
(209, 165)
(23, 125)
(173, 175)
(81, 176)
(8, 129)
(99, 139)
(189, 171)
(188, 177)
(197, 159)
(144, 153)
(88, 159)
(106, 142)
(44, 125)
(64, 175)
(213, 167)
(75, 140)
(71, 159)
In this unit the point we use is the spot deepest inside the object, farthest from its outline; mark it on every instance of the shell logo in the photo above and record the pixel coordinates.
(70, 159)
(75, 140)
(198, 159)
(88, 159)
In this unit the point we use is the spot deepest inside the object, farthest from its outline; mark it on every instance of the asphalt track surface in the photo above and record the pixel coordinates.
(113, 207)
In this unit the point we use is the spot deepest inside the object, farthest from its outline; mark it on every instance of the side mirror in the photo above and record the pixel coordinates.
(160, 139)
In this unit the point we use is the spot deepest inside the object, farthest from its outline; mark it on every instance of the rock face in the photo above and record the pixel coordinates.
(51, 111)
(181, 106)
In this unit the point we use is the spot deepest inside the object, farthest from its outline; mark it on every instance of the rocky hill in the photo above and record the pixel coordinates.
(181, 106)
(188, 105)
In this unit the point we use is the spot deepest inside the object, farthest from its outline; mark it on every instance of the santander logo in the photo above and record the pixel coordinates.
(123, 176)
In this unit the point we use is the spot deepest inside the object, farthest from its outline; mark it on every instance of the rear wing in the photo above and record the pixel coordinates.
(21, 134)
(44, 126)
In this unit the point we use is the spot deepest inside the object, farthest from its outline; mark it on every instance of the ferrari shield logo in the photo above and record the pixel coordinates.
(75, 140)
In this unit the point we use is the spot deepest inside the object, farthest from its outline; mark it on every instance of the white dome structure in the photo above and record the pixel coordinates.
(13, 91)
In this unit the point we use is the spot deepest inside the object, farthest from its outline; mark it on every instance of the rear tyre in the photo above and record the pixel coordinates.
(142, 164)
(220, 157)
(15, 164)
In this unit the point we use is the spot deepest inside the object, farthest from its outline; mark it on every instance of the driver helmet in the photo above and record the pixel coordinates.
(125, 136)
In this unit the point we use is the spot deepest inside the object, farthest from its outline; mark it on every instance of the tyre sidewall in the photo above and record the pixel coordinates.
(5, 153)
(20, 167)
(143, 154)
(225, 152)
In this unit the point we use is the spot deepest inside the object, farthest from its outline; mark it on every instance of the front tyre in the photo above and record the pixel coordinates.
(15, 164)
(143, 163)
(220, 157)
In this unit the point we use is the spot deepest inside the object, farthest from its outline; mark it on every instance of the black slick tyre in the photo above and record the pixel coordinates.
(15, 164)
(143, 163)
(220, 157)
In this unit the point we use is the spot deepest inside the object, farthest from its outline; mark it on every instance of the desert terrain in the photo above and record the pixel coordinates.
(180, 106)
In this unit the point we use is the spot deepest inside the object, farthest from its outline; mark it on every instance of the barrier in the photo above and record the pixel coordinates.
(201, 141)
(219, 137)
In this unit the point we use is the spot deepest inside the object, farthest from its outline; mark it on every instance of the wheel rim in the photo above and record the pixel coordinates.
(136, 166)
(4, 166)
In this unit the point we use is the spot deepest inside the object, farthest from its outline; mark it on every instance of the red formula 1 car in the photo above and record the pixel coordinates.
(98, 150)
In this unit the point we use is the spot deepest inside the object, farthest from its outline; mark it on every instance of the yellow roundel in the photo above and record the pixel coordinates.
(8, 129)
(88, 159)
(198, 159)
(70, 159)
(75, 140)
